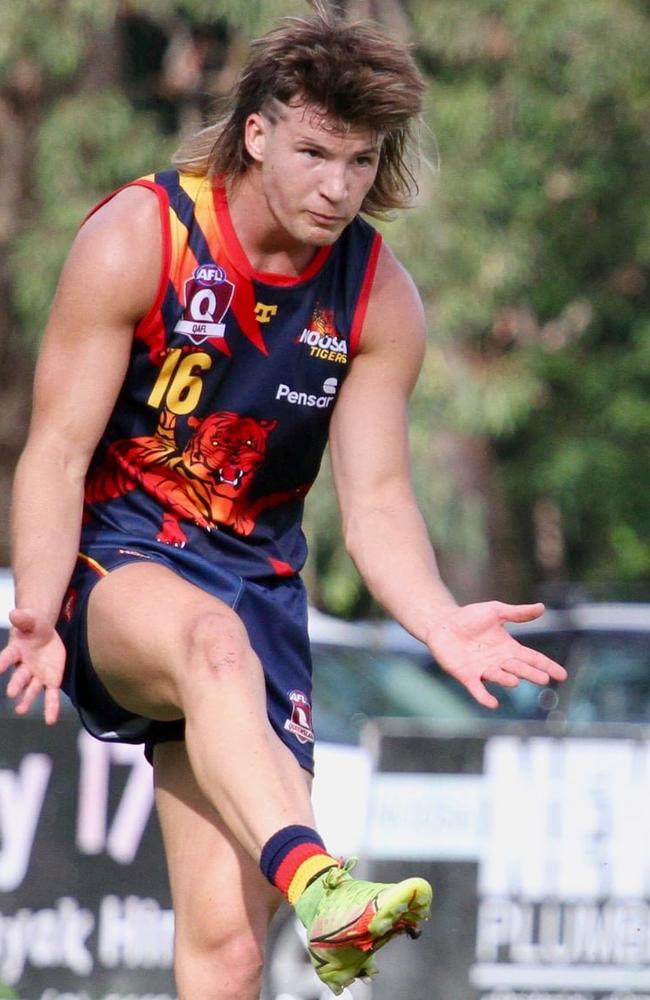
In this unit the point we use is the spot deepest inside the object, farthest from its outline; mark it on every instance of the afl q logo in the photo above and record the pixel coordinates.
(208, 295)
(209, 274)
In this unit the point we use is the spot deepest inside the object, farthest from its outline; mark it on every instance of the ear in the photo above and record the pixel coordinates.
(255, 136)
(193, 422)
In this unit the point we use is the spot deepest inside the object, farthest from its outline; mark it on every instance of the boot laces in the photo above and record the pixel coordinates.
(334, 876)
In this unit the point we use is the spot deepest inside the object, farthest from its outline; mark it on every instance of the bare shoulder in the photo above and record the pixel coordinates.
(116, 256)
(394, 329)
(131, 212)
(109, 282)
(395, 314)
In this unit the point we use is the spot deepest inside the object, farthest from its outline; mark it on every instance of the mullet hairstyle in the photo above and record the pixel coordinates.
(350, 73)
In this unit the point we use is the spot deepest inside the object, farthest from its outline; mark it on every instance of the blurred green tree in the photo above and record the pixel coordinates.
(530, 245)
(534, 257)
(91, 95)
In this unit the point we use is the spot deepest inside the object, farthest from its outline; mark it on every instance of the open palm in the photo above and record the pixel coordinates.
(37, 655)
(472, 645)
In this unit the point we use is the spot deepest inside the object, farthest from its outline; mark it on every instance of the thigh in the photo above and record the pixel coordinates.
(222, 902)
(140, 621)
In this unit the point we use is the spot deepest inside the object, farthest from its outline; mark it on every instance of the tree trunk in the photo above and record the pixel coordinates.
(483, 562)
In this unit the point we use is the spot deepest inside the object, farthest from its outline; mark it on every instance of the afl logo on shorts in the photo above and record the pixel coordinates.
(300, 722)
(208, 295)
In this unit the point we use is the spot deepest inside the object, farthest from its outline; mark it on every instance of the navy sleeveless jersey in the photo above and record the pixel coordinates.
(221, 423)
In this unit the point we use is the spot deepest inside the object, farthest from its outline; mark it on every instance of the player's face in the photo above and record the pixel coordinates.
(314, 176)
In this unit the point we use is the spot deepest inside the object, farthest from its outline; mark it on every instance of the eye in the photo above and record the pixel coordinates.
(312, 154)
(249, 443)
(214, 442)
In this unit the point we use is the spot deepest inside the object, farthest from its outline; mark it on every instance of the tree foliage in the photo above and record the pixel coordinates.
(541, 223)
(530, 243)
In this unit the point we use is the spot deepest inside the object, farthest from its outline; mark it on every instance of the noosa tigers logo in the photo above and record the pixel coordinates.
(208, 295)
(322, 339)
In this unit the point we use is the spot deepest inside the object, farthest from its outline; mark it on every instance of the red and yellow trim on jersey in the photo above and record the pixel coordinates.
(93, 564)
(239, 259)
(183, 261)
(364, 296)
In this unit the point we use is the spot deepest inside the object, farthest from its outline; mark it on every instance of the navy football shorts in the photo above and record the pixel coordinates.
(274, 615)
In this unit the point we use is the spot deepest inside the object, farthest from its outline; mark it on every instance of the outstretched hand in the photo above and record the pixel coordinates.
(37, 655)
(472, 645)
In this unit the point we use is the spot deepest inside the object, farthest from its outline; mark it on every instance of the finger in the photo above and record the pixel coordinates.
(519, 612)
(480, 693)
(52, 705)
(525, 672)
(9, 657)
(30, 695)
(19, 681)
(542, 662)
(505, 677)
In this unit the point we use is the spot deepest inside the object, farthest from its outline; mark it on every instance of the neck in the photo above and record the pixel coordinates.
(266, 244)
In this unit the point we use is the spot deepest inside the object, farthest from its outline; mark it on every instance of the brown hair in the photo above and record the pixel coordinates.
(349, 70)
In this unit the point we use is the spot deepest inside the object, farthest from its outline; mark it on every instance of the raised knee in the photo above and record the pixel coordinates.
(219, 641)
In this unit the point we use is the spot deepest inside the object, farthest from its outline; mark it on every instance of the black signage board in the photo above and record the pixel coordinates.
(85, 909)
(537, 845)
(538, 848)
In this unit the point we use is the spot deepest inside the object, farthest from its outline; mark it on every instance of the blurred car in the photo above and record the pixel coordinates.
(606, 650)
(6, 604)
(368, 670)
(6, 599)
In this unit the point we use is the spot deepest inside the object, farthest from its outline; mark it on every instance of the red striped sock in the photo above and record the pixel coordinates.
(293, 858)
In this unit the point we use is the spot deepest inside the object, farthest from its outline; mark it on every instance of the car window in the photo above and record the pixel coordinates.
(5, 707)
(611, 679)
(527, 700)
(353, 685)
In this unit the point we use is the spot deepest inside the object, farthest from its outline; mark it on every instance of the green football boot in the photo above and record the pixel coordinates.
(347, 920)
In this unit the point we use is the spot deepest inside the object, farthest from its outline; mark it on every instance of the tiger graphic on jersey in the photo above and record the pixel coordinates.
(206, 482)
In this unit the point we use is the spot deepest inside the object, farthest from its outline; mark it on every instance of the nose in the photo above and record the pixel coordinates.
(334, 182)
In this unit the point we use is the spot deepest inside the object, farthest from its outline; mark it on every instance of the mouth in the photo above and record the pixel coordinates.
(327, 220)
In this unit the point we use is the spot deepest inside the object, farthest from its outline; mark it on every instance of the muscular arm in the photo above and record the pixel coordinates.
(107, 284)
(384, 531)
(383, 528)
